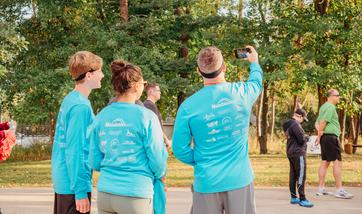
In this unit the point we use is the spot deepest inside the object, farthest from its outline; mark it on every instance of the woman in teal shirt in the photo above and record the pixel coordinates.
(126, 146)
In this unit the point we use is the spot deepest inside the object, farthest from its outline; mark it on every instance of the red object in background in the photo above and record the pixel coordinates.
(7, 144)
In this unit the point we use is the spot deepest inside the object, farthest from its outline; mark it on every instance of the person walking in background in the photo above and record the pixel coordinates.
(296, 153)
(71, 174)
(328, 129)
(153, 92)
(127, 148)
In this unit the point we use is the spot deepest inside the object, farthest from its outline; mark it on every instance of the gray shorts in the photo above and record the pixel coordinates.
(116, 204)
(238, 201)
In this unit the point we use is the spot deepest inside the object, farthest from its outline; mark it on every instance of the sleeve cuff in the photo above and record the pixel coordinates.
(82, 195)
(255, 66)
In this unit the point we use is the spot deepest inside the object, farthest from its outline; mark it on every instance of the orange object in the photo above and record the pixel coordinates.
(7, 144)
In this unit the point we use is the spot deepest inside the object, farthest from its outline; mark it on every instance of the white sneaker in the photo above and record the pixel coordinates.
(323, 191)
(343, 194)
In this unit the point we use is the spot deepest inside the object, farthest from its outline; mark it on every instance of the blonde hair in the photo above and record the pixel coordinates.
(83, 62)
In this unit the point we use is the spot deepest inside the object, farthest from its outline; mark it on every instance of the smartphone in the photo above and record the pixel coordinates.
(241, 53)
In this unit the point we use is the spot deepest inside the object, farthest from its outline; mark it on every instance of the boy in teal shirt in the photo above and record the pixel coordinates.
(71, 174)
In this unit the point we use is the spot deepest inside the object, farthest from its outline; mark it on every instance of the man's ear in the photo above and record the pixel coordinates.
(224, 67)
(198, 71)
(88, 75)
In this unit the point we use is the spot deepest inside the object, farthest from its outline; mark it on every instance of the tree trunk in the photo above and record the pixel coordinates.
(292, 109)
(258, 114)
(52, 126)
(321, 6)
(272, 129)
(343, 127)
(321, 97)
(184, 54)
(101, 14)
(217, 7)
(355, 141)
(352, 127)
(240, 9)
(300, 3)
(263, 138)
(33, 7)
(123, 10)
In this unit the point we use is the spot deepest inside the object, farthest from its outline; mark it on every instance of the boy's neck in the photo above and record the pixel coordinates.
(82, 89)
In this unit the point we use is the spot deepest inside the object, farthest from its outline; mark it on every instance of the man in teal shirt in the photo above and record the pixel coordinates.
(71, 174)
(328, 137)
(217, 118)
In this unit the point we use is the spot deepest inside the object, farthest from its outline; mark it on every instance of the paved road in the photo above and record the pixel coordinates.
(268, 200)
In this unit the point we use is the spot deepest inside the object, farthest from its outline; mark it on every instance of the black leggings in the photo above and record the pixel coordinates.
(297, 176)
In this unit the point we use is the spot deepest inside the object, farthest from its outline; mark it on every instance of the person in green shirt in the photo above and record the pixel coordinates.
(328, 128)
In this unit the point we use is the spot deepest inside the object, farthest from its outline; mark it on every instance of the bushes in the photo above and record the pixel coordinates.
(36, 151)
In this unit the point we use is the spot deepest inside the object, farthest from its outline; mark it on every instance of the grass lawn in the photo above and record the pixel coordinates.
(270, 170)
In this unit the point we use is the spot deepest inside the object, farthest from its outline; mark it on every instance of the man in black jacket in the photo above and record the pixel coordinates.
(296, 152)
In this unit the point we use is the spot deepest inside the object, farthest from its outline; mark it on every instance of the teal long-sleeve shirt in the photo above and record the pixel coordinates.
(71, 173)
(217, 119)
(127, 148)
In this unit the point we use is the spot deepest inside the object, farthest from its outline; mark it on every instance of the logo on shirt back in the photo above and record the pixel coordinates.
(211, 140)
(212, 124)
(228, 128)
(208, 117)
(101, 133)
(238, 108)
(114, 146)
(214, 131)
(128, 142)
(221, 103)
(119, 122)
(130, 134)
(236, 132)
(115, 132)
(226, 120)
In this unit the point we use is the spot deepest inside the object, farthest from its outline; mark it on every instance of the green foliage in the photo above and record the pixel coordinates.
(299, 49)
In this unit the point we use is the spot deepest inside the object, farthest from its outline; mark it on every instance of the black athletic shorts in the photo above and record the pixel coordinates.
(65, 204)
(330, 148)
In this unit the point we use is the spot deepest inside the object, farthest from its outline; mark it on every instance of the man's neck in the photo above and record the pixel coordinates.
(331, 102)
(152, 99)
(85, 91)
(214, 81)
(295, 118)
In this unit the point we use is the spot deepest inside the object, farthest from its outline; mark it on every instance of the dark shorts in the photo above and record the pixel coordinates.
(330, 148)
(65, 204)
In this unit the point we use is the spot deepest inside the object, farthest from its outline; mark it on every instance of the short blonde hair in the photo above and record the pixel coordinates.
(210, 59)
(83, 62)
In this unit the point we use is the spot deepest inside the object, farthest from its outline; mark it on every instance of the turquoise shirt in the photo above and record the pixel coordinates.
(217, 119)
(127, 148)
(71, 173)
